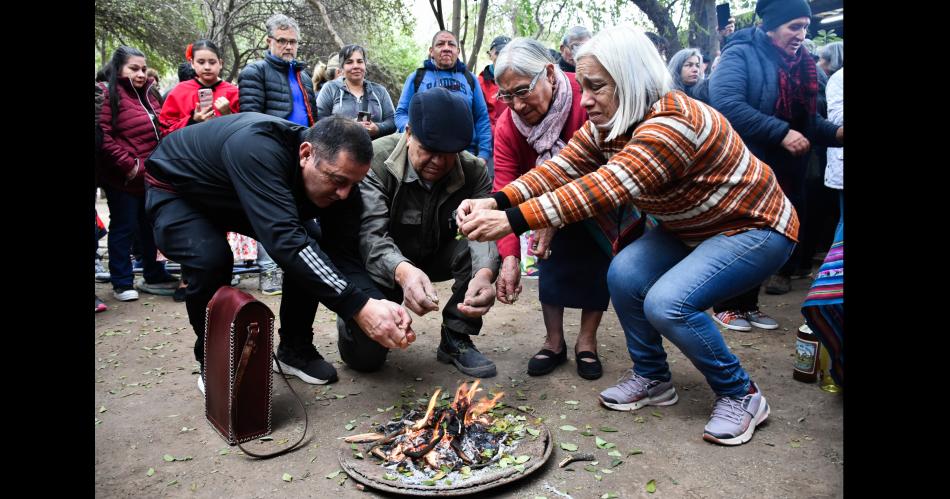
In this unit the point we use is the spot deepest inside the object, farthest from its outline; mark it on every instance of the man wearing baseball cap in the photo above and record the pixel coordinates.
(408, 238)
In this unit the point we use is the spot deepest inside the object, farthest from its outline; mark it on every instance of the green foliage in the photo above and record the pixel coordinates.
(825, 37)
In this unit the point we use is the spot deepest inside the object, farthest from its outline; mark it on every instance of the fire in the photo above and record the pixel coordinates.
(453, 434)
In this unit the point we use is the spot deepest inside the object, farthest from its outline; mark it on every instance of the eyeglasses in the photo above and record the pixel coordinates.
(521, 93)
(284, 41)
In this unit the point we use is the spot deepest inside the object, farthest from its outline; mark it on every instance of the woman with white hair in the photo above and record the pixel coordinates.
(725, 224)
(831, 57)
(544, 110)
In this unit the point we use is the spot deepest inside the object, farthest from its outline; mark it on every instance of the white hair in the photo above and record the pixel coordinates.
(640, 76)
(280, 21)
(523, 56)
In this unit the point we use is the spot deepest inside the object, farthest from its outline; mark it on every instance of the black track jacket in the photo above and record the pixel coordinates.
(243, 173)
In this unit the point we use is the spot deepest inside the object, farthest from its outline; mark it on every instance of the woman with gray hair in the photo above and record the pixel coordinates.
(831, 57)
(544, 110)
(685, 68)
(725, 224)
(356, 97)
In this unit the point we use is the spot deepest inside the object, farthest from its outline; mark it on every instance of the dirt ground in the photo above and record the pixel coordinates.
(147, 406)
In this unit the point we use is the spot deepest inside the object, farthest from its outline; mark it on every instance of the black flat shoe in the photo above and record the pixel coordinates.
(540, 367)
(588, 370)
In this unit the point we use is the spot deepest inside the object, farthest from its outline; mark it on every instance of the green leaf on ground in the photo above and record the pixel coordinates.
(287, 477)
(522, 459)
(358, 455)
(651, 486)
(614, 453)
(657, 414)
(349, 426)
(598, 477)
(568, 427)
(428, 482)
(634, 452)
(616, 462)
(520, 468)
(150, 472)
(609, 495)
(334, 474)
(587, 433)
(388, 476)
(592, 469)
(571, 402)
(168, 458)
(606, 471)
(639, 419)
(223, 452)
(102, 409)
(533, 431)
(607, 429)
(440, 475)
(568, 446)
(466, 470)
(600, 442)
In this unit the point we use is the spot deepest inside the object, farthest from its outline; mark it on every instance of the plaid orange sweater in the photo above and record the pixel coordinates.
(683, 164)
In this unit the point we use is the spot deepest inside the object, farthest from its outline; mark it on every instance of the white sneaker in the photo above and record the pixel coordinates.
(126, 294)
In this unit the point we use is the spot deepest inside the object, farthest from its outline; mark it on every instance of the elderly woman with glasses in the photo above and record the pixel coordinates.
(725, 224)
(544, 111)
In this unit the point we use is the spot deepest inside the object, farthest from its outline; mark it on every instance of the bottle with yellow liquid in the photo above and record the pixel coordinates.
(825, 381)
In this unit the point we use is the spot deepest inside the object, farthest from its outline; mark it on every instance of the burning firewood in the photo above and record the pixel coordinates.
(447, 437)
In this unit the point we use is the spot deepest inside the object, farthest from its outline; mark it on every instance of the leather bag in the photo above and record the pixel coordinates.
(239, 332)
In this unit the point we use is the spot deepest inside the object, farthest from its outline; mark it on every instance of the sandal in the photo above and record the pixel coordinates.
(539, 367)
(589, 370)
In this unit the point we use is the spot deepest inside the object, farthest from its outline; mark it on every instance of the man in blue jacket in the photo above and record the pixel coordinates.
(444, 69)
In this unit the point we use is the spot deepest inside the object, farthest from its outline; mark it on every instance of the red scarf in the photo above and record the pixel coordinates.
(798, 83)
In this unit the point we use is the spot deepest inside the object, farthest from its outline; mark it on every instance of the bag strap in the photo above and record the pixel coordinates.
(249, 346)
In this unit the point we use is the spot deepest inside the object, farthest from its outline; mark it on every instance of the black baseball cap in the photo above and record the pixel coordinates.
(441, 120)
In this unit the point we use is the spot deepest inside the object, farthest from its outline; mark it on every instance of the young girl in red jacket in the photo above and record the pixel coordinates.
(182, 106)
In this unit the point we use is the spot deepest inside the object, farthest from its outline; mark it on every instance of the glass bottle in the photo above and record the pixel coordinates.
(826, 382)
(806, 356)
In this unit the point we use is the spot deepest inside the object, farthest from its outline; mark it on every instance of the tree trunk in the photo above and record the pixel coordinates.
(456, 17)
(513, 7)
(660, 17)
(479, 35)
(326, 20)
(703, 26)
(436, 6)
(464, 31)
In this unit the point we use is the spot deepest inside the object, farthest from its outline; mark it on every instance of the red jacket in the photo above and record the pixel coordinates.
(489, 88)
(514, 157)
(126, 146)
(181, 102)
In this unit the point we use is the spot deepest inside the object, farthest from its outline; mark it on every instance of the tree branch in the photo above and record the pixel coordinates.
(326, 20)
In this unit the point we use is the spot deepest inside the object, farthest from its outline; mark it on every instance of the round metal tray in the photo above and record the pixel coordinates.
(369, 472)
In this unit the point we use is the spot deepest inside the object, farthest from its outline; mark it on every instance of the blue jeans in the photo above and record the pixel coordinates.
(127, 221)
(264, 261)
(661, 288)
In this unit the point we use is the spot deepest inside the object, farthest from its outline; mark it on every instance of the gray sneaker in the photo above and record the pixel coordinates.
(760, 320)
(272, 281)
(733, 420)
(102, 273)
(730, 319)
(633, 392)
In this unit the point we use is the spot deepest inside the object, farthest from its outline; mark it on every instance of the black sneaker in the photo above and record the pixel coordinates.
(458, 349)
(305, 363)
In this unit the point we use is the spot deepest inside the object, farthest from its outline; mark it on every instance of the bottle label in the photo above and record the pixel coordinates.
(806, 356)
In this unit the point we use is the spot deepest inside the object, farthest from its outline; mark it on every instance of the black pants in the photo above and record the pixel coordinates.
(188, 236)
(452, 261)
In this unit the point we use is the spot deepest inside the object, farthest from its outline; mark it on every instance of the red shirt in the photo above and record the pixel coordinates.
(514, 156)
(183, 99)
(489, 89)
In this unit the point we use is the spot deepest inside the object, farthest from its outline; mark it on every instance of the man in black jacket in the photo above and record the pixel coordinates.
(268, 178)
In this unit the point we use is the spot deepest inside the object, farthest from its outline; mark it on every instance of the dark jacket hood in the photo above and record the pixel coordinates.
(459, 66)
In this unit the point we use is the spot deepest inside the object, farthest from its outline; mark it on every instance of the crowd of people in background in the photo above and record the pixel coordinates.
(593, 154)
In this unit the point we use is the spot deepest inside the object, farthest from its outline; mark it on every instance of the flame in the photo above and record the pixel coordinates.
(422, 422)
(482, 406)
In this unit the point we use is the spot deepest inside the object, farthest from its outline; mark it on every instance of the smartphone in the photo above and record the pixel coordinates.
(362, 116)
(205, 97)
